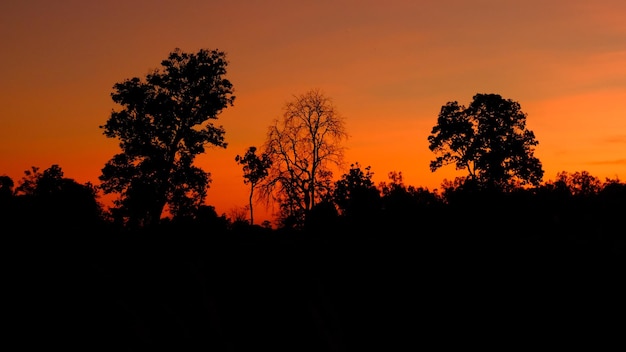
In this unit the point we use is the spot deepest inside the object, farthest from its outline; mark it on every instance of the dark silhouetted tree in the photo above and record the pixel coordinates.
(356, 194)
(255, 169)
(6, 189)
(613, 198)
(489, 139)
(6, 186)
(164, 123)
(302, 146)
(207, 217)
(402, 203)
(322, 218)
(614, 186)
(50, 199)
(238, 216)
(6, 198)
(578, 183)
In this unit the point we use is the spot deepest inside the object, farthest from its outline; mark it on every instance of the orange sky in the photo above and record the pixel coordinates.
(389, 66)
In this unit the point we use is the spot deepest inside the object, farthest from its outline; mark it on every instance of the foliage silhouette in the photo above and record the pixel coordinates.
(536, 256)
(47, 201)
(577, 184)
(356, 195)
(255, 169)
(489, 139)
(163, 125)
(387, 267)
(6, 186)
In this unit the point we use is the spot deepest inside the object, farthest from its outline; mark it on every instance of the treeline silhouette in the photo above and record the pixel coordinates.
(497, 259)
(387, 267)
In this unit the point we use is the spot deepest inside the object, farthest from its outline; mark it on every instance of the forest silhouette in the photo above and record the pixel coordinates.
(490, 260)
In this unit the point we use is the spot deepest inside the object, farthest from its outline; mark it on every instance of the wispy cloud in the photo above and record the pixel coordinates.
(608, 162)
(620, 139)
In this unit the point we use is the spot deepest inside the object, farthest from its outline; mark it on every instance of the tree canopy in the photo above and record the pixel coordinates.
(48, 201)
(355, 193)
(163, 124)
(488, 139)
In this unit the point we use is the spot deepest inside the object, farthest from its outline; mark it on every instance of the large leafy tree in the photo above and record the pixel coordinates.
(163, 124)
(303, 146)
(488, 139)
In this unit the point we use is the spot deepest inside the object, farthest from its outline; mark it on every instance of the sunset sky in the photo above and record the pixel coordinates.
(388, 66)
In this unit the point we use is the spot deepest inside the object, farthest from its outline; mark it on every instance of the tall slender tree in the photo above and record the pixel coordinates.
(255, 169)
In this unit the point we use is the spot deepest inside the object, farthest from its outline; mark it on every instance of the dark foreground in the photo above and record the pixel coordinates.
(312, 292)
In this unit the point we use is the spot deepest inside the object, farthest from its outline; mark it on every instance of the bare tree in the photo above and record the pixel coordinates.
(303, 146)
(238, 215)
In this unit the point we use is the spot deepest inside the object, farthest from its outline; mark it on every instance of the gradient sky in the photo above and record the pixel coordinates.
(388, 66)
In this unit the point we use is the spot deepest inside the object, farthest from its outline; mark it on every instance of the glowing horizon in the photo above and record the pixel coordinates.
(388, 67)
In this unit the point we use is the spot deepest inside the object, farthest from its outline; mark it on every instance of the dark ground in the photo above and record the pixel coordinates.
(317, 293)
